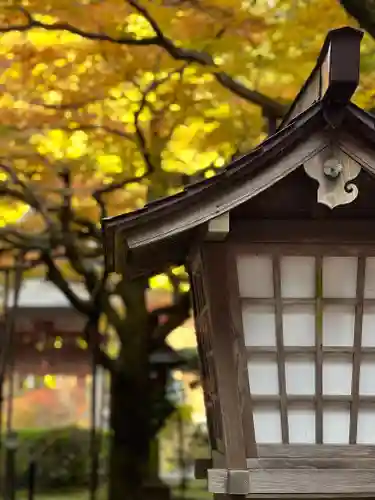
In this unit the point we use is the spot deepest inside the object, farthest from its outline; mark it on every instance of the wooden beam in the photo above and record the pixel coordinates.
(304, 231)
(280, 354)
(354, 407)
(291, 481)
(310, 463)
(303, 457)
(240, 353)
(317, 460)
(214, 263)
(318, 350)
(220, 204)
(311, 481)
(302, 398)
(218, 228)
(352, 451)
(339, 350)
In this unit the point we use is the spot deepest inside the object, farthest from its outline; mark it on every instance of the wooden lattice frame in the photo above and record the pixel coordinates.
(280, 469)
(318, 350)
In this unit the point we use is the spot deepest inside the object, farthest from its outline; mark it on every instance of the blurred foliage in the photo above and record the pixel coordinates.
(156, 93)
(139, 98)
(94, 86)
(62, 457)
(194, 439)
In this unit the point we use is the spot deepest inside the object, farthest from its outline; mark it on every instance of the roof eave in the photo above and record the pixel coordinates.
(169, 224)
(335, 76)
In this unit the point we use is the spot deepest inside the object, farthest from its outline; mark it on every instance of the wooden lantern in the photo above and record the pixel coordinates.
(280, 247)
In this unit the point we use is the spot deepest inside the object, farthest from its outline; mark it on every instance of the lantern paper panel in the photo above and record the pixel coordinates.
(267, 423)
(293, 308)
(336, 422)
(298, 277)
(366, 425)
(259, 324)
(299, 325)
(339, 277)
(301, 424)
(368, 335)
(338, 325)
(255, 276)
(301, 420)
(300, 375)
(367, 377)
(263, 375)
(369, 291)
(337, 375)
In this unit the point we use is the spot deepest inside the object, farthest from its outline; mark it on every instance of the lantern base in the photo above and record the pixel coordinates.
(295, 482)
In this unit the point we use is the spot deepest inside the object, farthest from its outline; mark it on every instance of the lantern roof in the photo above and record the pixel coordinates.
(160, 233)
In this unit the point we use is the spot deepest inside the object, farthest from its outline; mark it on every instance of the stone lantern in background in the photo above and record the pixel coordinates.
(280, 248)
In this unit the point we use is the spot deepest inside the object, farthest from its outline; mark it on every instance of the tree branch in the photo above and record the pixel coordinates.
(32, 23)
(27, 195)
(113, 186)
(66, 215)
(270, 106)
(100, 300)
(92, 337)
(141, 139)
(92, 230)
(22, 240)
(60, 234)
(84, 127)
(55, 276)
(68, 106)
(142, 146)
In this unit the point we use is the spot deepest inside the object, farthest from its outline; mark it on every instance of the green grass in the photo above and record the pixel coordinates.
(79, 495)
(196, 490)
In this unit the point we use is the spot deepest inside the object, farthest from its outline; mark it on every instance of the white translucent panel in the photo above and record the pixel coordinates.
(267, 424)
(339, 277)
(255, 276)
(300, 375)
(366, 425)
(337, 375)
(338, 325)
(336, 420)
(367, 376)
(370, 278)
(298, 277)
(301, 421)
(258, 324)
(263, 376)
(299, 325)
(368, 326)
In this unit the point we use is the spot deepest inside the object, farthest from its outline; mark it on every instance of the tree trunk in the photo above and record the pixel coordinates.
(137, 406)
(129, 449)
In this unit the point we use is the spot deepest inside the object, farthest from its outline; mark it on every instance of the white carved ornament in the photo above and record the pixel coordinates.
(334, 170)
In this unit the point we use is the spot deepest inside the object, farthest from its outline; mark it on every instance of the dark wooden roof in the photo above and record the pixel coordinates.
(161, 232)
(335, 75)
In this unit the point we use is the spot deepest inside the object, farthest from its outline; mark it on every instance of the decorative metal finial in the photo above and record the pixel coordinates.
(334, 169)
